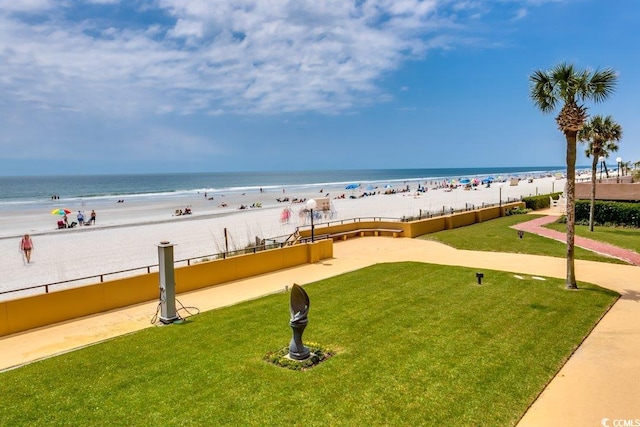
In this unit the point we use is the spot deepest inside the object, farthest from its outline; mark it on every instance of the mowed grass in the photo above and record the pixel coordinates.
(628, 238)
(417, 344)
(498, 236)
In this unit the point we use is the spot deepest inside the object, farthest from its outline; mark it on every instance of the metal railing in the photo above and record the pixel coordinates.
(422, 215)
(269, 243)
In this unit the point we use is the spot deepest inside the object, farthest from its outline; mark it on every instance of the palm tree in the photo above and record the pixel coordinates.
(602, 134)
(565, 84)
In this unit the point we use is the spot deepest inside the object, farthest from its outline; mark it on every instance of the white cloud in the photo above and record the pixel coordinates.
(29, 6)
(216, 57)
(521, 13)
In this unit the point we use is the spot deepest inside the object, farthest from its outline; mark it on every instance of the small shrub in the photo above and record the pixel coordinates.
(318, 354)
(517, 211)
(540, 202)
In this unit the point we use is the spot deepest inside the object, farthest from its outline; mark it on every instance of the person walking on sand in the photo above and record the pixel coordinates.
(92, 218)
(26, 245)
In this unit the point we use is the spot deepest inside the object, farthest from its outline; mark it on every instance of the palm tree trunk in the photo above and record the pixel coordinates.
(571, 208)
(592, 209)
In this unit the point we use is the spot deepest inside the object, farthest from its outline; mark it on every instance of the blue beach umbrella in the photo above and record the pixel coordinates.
(351, 187)
(465, 181)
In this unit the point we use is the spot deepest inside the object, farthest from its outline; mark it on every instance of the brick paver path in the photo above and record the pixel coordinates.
(536, 226)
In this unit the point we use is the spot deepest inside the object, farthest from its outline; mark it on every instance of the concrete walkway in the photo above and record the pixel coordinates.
(599, 381)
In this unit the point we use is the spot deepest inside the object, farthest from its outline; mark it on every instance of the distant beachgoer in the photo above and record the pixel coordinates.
(26, 245)
(80, 217)
(92, 218)
(66, 220)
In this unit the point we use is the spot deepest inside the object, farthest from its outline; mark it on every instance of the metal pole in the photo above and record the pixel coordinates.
(167, 283)
(312, 237)
(601, 163)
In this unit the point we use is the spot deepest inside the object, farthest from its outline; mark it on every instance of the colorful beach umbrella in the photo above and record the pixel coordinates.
(60, 211)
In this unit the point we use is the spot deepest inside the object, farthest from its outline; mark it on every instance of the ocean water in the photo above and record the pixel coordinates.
(35, 191)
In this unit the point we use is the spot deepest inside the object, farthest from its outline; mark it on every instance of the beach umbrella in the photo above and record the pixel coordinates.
(351, 187)
(465, 181)
(60, 211)
(370, 187)
(388, 186)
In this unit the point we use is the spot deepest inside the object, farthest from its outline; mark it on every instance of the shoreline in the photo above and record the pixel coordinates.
(126, 234)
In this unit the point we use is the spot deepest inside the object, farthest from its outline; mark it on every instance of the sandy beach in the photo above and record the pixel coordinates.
(125, 234)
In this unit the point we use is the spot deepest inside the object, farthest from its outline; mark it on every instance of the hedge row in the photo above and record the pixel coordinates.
(540, 202)
(609, 213)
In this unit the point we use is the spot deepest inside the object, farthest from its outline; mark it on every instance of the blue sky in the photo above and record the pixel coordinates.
(109, 86)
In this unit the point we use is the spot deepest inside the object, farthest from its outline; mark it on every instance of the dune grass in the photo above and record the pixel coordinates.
(416, 344)
(497, 236)
(623, 237)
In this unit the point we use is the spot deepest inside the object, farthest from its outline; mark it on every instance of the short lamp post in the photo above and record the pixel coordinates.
(311, 205)
(619, 161)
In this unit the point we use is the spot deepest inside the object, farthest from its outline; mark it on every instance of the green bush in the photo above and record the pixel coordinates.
(609, 213)
(540, 202)
(517, 211)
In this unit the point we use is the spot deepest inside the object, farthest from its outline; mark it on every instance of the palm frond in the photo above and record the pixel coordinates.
(602, 134)
(543, 91)
(602, 84)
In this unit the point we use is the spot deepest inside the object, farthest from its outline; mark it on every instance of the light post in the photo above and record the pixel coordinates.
(619, 161)
(311, 205)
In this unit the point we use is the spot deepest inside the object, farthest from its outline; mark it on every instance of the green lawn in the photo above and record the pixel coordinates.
(497, 236)
(417, 344)
(628, 238)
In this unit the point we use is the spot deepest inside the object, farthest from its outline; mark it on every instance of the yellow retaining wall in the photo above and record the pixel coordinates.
(419, 227)
(41, 310)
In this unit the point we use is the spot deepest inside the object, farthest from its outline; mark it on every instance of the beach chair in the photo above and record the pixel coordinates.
(553, 203)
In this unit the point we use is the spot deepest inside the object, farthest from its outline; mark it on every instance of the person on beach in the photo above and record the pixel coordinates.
(66, 220)
(80, 217)
(92, 218)
(26, 246)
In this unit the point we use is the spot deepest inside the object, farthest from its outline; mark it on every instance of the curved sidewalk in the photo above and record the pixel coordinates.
(599, 381)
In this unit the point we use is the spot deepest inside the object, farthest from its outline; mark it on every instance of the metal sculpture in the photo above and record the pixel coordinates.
(299, 307)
